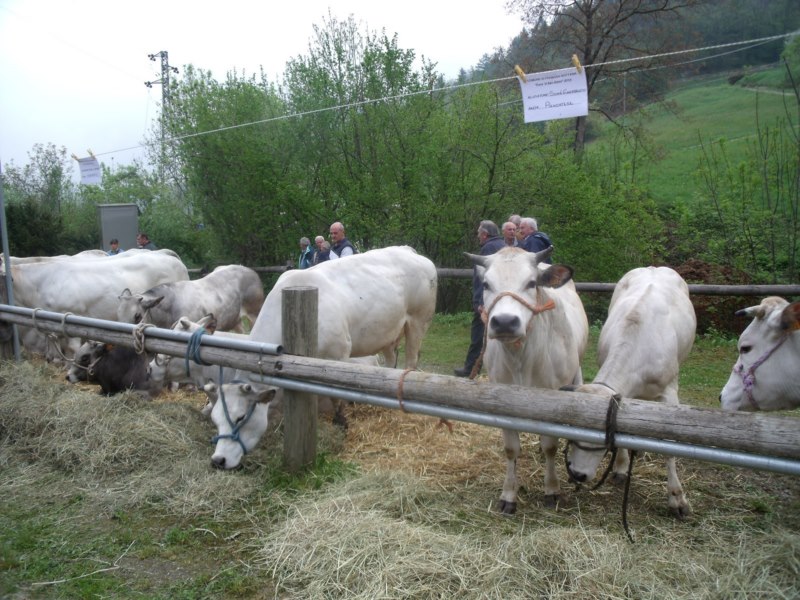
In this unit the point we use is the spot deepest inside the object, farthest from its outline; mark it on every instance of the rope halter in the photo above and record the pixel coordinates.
(540, 308)
(535, 309)
(749, 376)
(235, 427)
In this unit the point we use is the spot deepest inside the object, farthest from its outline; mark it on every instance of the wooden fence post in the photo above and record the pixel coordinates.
(299, 315)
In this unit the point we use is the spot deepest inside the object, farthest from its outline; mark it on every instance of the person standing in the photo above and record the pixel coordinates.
(516, 219)
(491, 242)
(144, 243)
(510, 233)
(323, 252)
(115, 249)
(533, 240)
(306, 254)
(340, 245)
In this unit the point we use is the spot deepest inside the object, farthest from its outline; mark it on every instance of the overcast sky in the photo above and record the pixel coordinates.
(72, 73)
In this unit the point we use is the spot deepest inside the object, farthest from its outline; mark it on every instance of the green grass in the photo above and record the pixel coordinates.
(703, 111)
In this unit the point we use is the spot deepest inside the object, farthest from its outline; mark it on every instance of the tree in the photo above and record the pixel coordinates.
(599, 32)
(44, 180)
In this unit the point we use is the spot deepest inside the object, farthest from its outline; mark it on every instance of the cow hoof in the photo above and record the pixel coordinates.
(552, 500)
(681, 512)
(619, 479)
(340, 421)
(507, 508)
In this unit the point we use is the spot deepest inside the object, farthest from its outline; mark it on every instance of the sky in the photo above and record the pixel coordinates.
(72, 73)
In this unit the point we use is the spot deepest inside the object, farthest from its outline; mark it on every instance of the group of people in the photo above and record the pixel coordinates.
(338, 247)
(520, 232)
(142, 242)
(523, 232)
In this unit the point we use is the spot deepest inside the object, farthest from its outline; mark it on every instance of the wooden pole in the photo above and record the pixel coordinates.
(299, 322)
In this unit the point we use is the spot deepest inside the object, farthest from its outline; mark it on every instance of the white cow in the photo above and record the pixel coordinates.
(22, 260)
(367, 303)
(228, 292)
(649, 332)
(165, 368)
(766, 375)
(537, 332)
(89, 286)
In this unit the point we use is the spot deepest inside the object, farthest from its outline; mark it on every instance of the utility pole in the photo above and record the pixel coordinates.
(166, 69)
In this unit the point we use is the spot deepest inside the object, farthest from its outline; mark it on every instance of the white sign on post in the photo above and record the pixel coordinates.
(90, 171)
(557, 94)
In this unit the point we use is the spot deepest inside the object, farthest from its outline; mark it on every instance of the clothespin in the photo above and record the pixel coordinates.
(576, 62)
(89, 150)
(520, 73)
(74, 157)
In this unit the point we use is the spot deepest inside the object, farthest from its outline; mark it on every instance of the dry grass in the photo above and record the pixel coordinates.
(416, 521)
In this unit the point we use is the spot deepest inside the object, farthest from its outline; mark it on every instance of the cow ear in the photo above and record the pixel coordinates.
(184, 323)
(790, 317)
(151, 302)
(211, 391)
(126, 293)
(267, 396)
(555, 276)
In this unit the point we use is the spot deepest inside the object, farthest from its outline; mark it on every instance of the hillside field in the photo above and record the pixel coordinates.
(699, 111)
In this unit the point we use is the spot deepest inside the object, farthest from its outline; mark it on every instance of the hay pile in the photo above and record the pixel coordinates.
(120, 451)
(414, 520)
(391, 536)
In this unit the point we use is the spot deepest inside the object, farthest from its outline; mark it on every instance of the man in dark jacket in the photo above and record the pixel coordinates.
(533, 240)
(491, 241)
(340, 245)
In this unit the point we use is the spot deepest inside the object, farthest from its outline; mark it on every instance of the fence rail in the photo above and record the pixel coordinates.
(751, 440)
(698, 289)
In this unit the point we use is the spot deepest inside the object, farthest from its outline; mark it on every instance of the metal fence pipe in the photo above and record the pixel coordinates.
(30, 317)
(633, 442)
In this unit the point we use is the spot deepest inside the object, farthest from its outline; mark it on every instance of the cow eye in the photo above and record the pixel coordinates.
(486, 287)
(532, 284)
(745, 349)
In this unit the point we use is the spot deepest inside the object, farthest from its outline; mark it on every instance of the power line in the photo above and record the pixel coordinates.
(751, 43)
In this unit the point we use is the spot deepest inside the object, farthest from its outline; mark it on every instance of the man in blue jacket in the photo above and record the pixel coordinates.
(491, 241)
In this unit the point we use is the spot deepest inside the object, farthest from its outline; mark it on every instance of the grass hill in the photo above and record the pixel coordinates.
(700, 111)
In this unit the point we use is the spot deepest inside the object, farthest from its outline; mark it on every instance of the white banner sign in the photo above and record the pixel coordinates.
(90, 171)
(555, 95)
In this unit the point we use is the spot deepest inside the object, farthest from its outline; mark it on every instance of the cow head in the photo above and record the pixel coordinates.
(83, 361)
(240, 413)
(511, 278)
(582, 459)
(163, 367)
(135, 308)
(766, 374)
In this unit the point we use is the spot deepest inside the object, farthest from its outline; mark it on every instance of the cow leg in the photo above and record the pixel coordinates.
(620, 471)
(390, 355)
(552, 490)
(678, 504)
(414, 333)
(508, 498)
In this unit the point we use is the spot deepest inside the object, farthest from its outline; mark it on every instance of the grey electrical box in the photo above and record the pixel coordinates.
(119, 221)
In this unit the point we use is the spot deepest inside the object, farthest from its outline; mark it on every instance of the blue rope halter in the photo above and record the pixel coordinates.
(234, 434)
